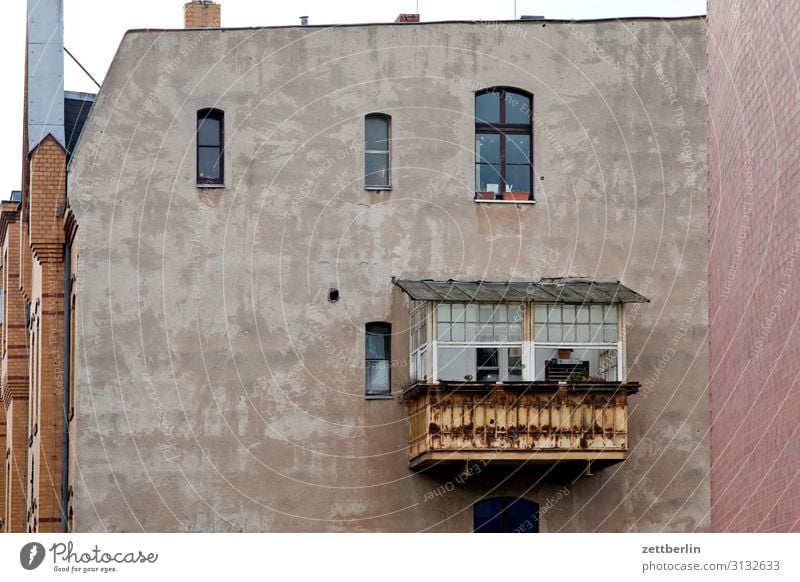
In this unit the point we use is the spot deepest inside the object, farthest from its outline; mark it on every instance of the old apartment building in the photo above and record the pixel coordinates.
(444, 276)
(37, 230)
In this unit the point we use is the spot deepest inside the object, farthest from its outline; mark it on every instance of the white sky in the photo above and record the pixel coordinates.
(93, 29)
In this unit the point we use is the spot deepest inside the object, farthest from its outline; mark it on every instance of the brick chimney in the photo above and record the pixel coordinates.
(408, 18)
(202, 14)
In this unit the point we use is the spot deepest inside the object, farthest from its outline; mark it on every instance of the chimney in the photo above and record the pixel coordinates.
(202, 14)
(45, 72)
(304, 21)
(407, 18)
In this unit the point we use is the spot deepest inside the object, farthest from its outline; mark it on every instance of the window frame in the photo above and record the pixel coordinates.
(219, 116)
(387, 338)
(503, 129)
(386, 118)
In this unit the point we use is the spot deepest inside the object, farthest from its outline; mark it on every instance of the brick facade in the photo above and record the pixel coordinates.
(754, 180)
(14, 384)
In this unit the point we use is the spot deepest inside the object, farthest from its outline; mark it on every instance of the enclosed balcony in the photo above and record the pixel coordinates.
(518, 372)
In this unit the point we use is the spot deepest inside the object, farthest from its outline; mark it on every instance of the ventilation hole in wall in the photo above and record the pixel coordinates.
(333, 295)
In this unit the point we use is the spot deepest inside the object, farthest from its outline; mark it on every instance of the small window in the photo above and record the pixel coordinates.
(210, 147)
(505, 515)
(378, 356)
(377, 161)
(503, 136)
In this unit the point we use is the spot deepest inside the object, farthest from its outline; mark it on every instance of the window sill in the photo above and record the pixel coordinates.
(377, 188)
(504, 201)
(378, 397)
(210, 185)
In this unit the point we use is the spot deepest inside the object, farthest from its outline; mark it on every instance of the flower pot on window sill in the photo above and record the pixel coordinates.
(484, 195)
(517, 196)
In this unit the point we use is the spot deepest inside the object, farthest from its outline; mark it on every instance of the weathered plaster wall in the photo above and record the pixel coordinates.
(219, 390)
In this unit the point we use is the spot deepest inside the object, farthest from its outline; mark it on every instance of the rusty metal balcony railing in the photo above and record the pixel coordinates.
(518, 422)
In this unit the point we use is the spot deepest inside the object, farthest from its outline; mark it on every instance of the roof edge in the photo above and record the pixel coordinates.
(408, 24)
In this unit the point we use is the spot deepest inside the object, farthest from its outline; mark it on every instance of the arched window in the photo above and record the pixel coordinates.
(210, 147)
(377, 161)
(503, 145)
(378, 358)
(505, 515)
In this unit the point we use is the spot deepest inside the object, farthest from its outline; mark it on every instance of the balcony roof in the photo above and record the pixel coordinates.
(545, 290)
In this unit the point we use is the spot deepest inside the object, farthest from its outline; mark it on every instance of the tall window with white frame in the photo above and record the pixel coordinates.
(377, 148)
(378, 359)
(503, 145)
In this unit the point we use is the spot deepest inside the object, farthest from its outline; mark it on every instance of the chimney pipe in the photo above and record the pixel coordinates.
(202, 14)
(304, 21)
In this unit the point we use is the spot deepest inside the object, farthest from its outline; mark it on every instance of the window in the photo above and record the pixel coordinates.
(576, 342)
(419, 342)
(503, 136)
(505, 515)
(210, 147)
(479, 342)
(516, 342)
(377, 161)
(378, 355)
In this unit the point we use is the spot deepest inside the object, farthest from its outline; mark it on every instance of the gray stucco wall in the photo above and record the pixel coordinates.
(219, 390)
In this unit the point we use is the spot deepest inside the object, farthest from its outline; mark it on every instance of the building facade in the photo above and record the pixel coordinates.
(395, 277)
(754, 249)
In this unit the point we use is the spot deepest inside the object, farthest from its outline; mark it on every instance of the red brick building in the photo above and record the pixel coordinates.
(37, 230)
(754, 181)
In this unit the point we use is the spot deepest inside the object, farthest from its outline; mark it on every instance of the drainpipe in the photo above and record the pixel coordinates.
(67, 388)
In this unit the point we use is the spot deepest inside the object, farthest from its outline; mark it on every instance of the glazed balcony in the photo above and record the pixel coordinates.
(518, 422)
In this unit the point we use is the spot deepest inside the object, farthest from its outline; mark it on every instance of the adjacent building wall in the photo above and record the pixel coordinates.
(219, 390)
(14, 379)
(754, 118)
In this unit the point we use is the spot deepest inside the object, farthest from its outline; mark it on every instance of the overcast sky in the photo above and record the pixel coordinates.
(93, 29)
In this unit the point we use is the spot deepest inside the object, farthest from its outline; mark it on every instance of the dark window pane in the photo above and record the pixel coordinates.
(487, 177)
(518, 178)
(208, 132)
(518, 108)
(522, 516)
(505, 515)
(208, 163)
(487, 148)
(487, 107)
(377, 134)
(518, 149)
(487, 516)
(377, 170)
(378, 377)
(378, 338)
